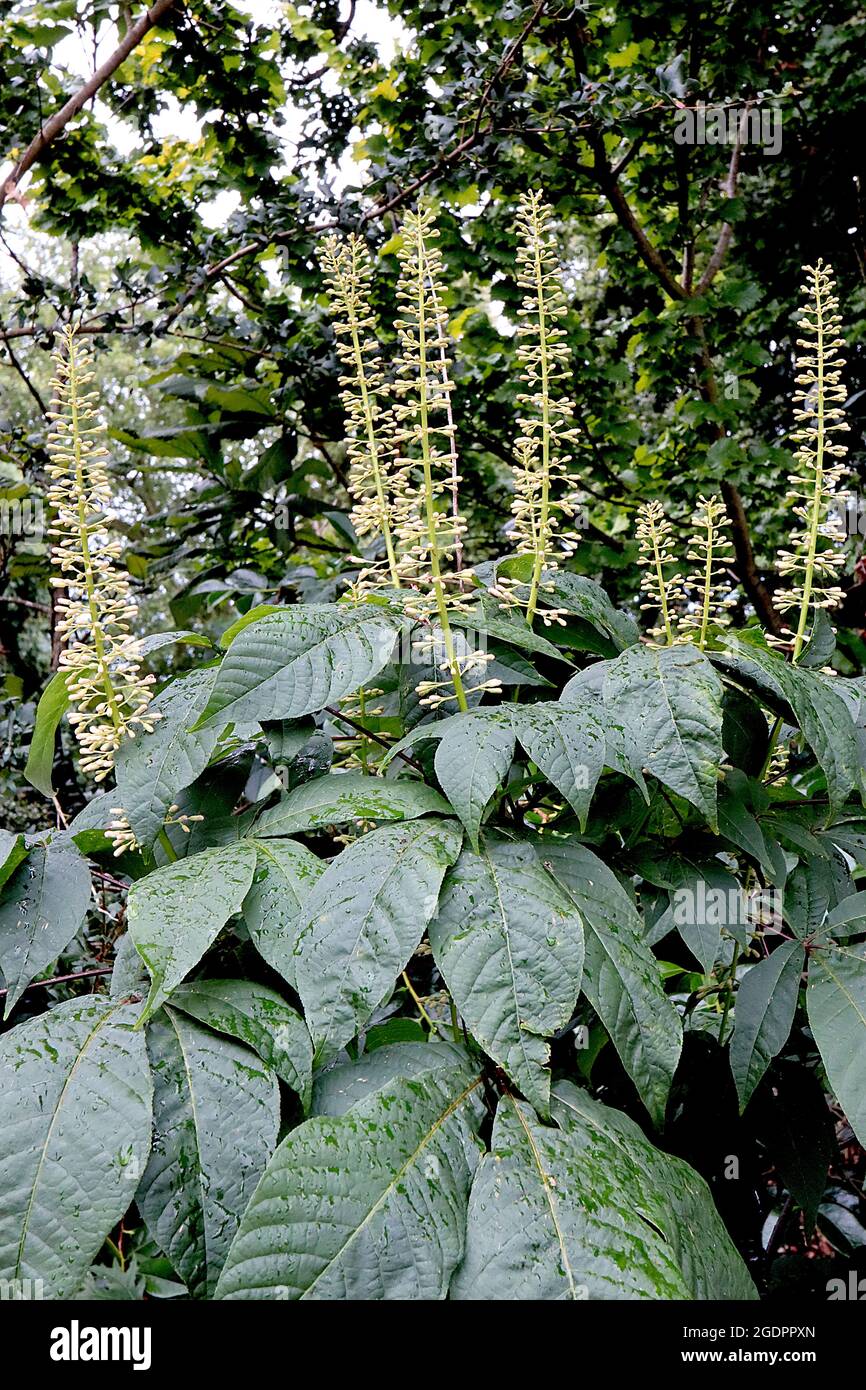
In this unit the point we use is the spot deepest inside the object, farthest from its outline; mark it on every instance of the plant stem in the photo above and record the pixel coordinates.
(429, 507)
(815, 519)
(372, 444)
(541, 538)
(84, 539)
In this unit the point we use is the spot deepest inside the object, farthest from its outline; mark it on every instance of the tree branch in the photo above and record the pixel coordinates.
(56, 123)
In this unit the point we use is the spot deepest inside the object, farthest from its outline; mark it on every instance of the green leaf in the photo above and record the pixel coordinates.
(216, 1114)
(766, 1004)
(590, 1210)
(836, 1004)
(75, 1123)
(362, 922)
(365, 1206)
(285, 875)
(567, 745)
(157, 640)
(176, 913)
(12, 851)
(621, 977)
(669, 700)
(472, 759)
(259, 1017)
(346, 796)
(152, 768)
(43, 905)
(576, 594)
(338, 1088)
(820, 711)
(298, 660)
(509, 943)
(53, 704)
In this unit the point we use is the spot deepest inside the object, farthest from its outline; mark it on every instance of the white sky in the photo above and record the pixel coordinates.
(179, 122)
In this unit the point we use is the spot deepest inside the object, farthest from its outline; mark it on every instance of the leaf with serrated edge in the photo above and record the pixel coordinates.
(509, 943)
(298, 660)
(43, 905)
(621, 978)
(370, 1205)
(766, 1004)
(345, 796)
(363, 920)
(216, 1114)
(258, 1017)
(75, 1125)
(152, 768)
(670, 701)
(568, 746)
(472, 759)
(836, 1005)
(286, 874)
(176, 913)
(590, 1210)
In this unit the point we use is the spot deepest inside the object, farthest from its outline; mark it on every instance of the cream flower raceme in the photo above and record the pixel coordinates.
(816, 556)
(108, 693)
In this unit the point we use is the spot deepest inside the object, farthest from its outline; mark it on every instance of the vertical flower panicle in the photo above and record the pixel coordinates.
(428, 524)
(108, 693)
(544, 487)
(711, 551)
(349, 272)
(662, 590)
(817, 555)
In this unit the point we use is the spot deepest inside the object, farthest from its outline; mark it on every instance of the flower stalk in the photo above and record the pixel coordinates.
(108, 693)
(817, 556)
(349, 271)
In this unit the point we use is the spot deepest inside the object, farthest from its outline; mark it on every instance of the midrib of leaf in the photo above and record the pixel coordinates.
(675, 726)
(25, 1225)
(363, 925)
(505, 932)
(404, 1168)
(261, 846)
(200, 1175)
(547, 1188)
(840, 986)
(30, 936)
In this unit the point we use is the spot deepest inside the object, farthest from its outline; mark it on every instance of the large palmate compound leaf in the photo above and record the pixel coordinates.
(367, 1205)
(836, 1004)
(363, 920)
(345, 796)
(568, 745)
(472, 759)
(216, 1112)
(509, 942)
(75, 1125)
(259, 1017)
(152, 768)
(821, 712)
(589, 1209)
(176, 913)
(286, 873)
(43, 904)
(669, 700)
(298, 660)
(621, 978)
(766, 1004)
